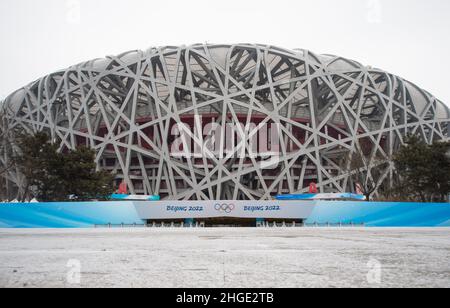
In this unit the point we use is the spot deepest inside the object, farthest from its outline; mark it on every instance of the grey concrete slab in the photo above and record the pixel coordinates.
(284, 257)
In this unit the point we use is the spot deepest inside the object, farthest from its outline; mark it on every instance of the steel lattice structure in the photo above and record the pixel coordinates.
(126, 106)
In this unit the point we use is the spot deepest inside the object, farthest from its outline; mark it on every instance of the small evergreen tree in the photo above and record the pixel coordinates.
(55, 176)
(423, 170)
(89, 184)
(39, 162)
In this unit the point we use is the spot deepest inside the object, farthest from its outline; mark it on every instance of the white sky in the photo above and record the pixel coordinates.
(409, 38)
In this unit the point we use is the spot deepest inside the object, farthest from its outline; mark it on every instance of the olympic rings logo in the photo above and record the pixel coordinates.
(226, 208)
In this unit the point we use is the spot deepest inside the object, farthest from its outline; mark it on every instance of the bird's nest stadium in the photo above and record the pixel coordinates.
(260, 120)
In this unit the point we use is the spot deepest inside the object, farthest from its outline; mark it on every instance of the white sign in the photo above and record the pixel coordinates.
(233, 209)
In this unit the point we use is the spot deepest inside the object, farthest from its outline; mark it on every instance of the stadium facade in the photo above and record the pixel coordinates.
(257, 121)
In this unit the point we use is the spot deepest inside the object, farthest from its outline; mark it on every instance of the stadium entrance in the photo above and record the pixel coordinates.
(224, 213)
(228, 222)
(225, 222)
(205, 223)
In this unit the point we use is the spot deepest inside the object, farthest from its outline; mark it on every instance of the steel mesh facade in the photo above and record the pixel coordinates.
(125, 108)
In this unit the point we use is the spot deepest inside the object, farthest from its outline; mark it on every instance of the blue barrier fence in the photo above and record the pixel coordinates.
(67, 215)
(382, 214)
(89, 214)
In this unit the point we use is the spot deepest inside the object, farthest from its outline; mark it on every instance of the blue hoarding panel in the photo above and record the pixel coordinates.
(67, 215)
(381, 214)
(86, 215)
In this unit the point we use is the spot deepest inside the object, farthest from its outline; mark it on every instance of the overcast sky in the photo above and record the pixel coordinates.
(409, 38)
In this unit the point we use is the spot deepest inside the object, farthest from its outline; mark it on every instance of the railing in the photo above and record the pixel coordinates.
(151, 225)
(176, 225)
(258, 225)
(326, 225)
(110, 226)
(265, 224)
(307, 225)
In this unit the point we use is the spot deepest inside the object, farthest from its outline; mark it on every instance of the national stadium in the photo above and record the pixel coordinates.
(276, 120)
(225, 135)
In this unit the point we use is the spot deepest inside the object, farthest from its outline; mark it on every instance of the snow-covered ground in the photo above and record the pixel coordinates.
(202, 258)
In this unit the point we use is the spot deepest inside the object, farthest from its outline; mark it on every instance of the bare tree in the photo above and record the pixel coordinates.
(8, 164)
(367, 169)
